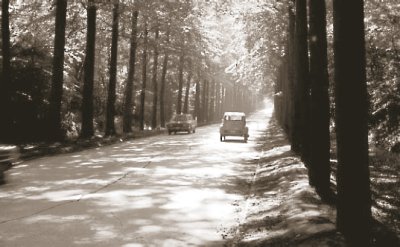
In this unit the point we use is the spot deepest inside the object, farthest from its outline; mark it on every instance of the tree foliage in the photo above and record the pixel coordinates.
(237, 43)
(32, 38)
(266, 29)
(383, 70)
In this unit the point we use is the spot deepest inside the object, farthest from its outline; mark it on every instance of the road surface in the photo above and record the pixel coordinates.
(177, 190)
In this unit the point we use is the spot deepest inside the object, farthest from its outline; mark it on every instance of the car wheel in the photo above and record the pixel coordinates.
(220, 138)
(194, 130)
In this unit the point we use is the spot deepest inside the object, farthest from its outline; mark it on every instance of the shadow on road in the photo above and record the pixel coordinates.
(234, 140)
(385, 193)
(283, 210)
(161, 192)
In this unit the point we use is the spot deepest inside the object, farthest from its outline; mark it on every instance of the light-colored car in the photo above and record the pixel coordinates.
(182, 123)
(234, 124)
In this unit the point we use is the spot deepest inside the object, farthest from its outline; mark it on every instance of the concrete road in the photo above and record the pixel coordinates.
(177, 190)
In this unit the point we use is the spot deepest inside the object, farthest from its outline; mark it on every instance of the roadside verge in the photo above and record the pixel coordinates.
(282, 209)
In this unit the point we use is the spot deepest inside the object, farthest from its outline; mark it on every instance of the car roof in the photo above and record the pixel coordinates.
(182, 114)
(234, 113)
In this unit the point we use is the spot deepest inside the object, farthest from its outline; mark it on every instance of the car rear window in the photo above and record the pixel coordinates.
(180, 118)
(234, 117)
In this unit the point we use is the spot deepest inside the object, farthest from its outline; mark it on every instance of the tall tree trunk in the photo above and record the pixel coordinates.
(5, 34)
(319, 170)
(163, 82)
(279, 93)
(129, 91)
(302, 85)
(217, 101)
(197, 101)
(155, 83)
(110, 125)
(234, 101)
(186, 102)
(55, 130)
(223, 100)
(87, 101)
(353, 181)
(232, 98)
(283, 74)
(203, 103)
(206, 93)
(180, 81)
(291, 77)
(228, 99)
(5, 123)
(144, 77)
(212, 102)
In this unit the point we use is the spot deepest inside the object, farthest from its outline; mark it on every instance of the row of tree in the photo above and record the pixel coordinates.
(272, 35)
(266, 28)
(303, 106)
(138, 61)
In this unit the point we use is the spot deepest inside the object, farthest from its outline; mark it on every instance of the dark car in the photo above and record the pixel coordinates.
(8, 155)
(234, 124)
(182, 123)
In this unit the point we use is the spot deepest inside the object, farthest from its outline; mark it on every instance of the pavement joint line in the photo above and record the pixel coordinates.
(105, 186)
(66, 202)
(117, 219)
(147, 164)
(38, 212)
(81, 197)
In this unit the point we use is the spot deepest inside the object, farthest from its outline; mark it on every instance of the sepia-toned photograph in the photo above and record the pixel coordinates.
(209, 123)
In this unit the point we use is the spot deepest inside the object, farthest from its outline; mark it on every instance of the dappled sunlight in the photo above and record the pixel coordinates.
(197, 172)
(206, 200)
(385, 184)
(81, 181)
(122, 200)
(275, 151)
(58, 196)
(149, 229)
(44, 218)
(282, 207)
(265, 233)
(168, 190)
(103, 232)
